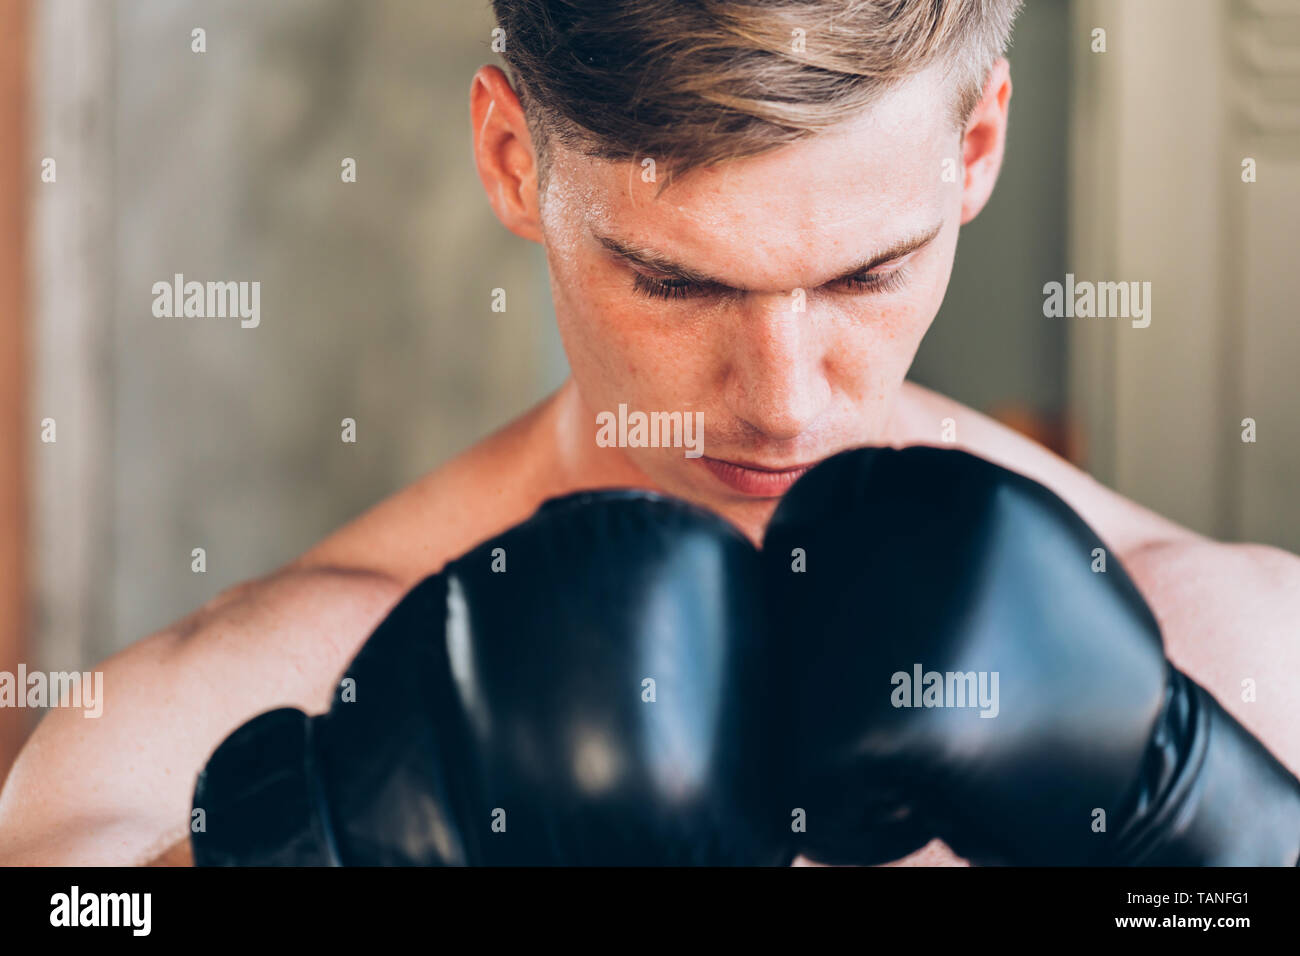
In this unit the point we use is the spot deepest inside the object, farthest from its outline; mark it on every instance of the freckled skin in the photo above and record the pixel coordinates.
(776, 388)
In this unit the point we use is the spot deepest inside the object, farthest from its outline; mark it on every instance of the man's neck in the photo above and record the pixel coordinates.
(580, 462)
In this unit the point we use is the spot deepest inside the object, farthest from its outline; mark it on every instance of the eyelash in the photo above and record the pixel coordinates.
(878, 283)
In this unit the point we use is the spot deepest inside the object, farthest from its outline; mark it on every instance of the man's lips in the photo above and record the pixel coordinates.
(758, 481)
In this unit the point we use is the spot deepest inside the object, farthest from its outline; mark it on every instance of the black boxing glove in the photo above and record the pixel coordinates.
(1048, 726)
(506, 716)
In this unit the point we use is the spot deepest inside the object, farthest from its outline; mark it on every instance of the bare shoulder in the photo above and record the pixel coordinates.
(117, 789)
(1125, 525)
(1230, 616)
(490, 487)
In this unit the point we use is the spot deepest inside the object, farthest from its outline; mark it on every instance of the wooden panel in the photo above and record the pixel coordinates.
(1267, 490)
(14, 425)
(1263, 341)
(72, 252)
(1146, 206)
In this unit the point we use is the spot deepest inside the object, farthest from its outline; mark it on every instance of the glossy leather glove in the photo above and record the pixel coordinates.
(963, 671)
(586, 688)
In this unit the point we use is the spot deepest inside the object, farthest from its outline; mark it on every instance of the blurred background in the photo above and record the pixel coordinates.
(376, 295)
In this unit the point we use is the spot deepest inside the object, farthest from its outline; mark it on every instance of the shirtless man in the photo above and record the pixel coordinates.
(679, 299)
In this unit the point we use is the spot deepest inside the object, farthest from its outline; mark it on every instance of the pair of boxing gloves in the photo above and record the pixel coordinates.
(927, 645)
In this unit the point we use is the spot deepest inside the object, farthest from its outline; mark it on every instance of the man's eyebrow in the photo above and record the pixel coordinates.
(656, 261)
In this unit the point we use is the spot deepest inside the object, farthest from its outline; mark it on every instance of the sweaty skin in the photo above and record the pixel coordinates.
(777, 389)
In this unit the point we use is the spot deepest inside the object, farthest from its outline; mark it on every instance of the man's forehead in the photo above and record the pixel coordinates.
(863, 174)
(736, 232)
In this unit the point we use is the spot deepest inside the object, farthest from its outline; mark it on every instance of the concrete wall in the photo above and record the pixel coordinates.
(180, 433)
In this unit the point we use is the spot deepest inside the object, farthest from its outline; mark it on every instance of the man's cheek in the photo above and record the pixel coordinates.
(908, 318)
(625, 358)
(592, 319)
(652, 338)
(881, 330)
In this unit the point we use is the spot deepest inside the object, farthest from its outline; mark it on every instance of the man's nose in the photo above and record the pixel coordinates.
(776, 379)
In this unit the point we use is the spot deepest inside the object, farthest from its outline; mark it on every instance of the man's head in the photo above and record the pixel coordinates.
(749, 207)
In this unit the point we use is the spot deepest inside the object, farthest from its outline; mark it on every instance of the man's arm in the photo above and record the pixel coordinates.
(116, 790)
(179, 854)
(1230, 615)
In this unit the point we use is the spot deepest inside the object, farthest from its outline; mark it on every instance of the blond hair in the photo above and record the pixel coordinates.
(693, 83)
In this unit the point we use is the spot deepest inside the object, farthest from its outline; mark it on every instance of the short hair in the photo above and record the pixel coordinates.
(693, 83)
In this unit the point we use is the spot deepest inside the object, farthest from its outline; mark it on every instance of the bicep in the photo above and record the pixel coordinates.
(126, 778)
(78, 791)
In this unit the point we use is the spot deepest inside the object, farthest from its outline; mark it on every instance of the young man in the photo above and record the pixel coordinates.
(746, 216)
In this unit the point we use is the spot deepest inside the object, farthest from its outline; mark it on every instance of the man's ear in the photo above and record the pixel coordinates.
(984, 141)
(503, 152)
